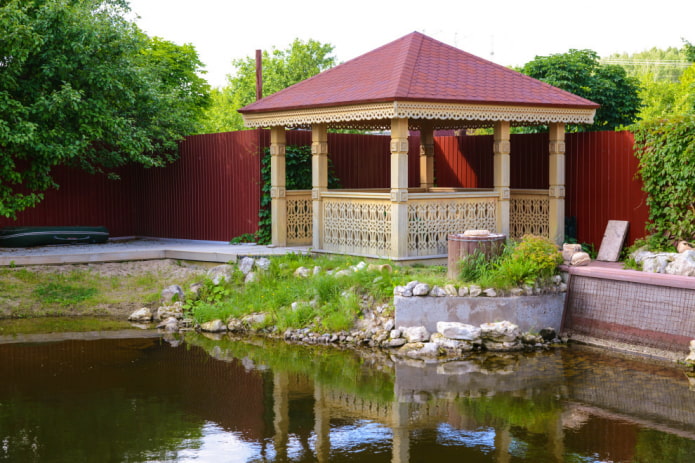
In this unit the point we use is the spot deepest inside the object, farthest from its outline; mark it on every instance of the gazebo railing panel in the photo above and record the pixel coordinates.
(357, 223)
(299, 217)
(433, 216)
(529, 213)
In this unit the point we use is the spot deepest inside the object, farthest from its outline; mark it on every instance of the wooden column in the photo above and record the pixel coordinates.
(557, 183)
(426, 155)
(501, 149)
(278, 206)
(319, 179)
(400, 452)
(399, 188)
(281, 414)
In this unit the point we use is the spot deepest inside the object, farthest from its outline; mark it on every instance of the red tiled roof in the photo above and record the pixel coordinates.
(418, 68)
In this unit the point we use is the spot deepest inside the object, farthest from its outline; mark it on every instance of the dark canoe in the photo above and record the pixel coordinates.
(20, 237)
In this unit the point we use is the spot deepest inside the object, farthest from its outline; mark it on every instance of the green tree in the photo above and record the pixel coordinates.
(80, 85)
(665, 78)
(579, 72)
(281, 68)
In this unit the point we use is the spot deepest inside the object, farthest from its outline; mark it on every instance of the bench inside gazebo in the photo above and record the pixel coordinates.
(415, 83)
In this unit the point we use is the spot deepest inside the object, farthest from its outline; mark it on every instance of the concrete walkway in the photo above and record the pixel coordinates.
(139, 249)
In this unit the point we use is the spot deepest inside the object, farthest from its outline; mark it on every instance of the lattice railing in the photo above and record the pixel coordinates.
(357, 226)
(529, 213)
(299, 217)
(431, 220)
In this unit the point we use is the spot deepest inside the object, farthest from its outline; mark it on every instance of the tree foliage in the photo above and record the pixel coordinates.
(281, 69)
(666, 153)
(80, 85)
(579, 72)
(666, 79)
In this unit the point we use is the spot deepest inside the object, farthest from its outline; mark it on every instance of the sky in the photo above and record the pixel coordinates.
(508, 32)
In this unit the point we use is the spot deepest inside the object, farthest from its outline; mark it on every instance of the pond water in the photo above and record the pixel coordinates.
(201, 399)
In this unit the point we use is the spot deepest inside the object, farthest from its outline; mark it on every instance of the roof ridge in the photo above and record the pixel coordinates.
(409, 64)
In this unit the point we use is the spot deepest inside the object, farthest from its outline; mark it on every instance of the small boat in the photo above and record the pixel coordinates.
(20, 237)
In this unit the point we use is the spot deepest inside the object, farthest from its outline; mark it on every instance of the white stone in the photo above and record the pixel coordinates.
(389, 324)
(438, 291)
(657, 262)
(172, 310)
(251, 277)
(458, 331)
(475, 290)
(395, 334)
(395, 342)
(343, 273)
(402, 291)
(263, 263)
(683, 264)
(412, 284)
(302, 272)
(317, 270)
(421, 289)
(452, 345)
(141, 315)
(361, 266)
(170, 324)
(451, 290)
(415, 333)
(220, 273)
(458, 367)
(502, 346)
(172, 293)
(500, 332)
(463, 291)
(420, 350)
(580, 259)
(490, 292)
(516, 292)
(213, 326)
(476, 233)
(246, 265)
(684, 246)
(691, 357)
(569, 249)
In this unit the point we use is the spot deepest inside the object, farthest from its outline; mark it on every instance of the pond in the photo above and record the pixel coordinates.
(147, 399)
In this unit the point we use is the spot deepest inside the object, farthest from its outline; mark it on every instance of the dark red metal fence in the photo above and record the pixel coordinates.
(213, 191)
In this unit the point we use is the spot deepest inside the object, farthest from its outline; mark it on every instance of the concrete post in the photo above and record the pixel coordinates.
(319, 179)
(501, 151)
(426, 155)
(399, 188)
(557, 183)
(278, 206)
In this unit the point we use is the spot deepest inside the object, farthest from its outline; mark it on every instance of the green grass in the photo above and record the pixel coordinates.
(325, 302)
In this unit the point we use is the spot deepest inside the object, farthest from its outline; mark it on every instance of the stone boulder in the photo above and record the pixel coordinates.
(220, 273)
(684, 246)
(683, 264)
(453, 346)
(569, 249)
(302, 272)
(580, 259)
(174, 310)
(262, 264)
(246, 265)
(172, 293)
(141, 315)
(213, 326)
(500, 332)
(691, 357)
(420, 350)
(415, 333)
(170, 324)
(459, 331)
(421, 289)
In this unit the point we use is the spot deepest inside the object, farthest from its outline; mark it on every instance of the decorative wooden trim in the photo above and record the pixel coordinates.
(443, 115)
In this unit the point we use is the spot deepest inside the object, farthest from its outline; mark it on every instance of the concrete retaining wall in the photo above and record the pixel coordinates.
(530, 313)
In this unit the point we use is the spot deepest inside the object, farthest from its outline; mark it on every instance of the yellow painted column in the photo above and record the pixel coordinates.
(319, 179)
(278, 206)
(557, 183)
(501, 152)
(426, 155)
(399, 188)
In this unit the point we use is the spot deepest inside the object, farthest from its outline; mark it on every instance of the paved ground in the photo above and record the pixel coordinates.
(138, 249)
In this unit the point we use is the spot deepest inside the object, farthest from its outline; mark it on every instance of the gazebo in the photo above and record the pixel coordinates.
(415, 83)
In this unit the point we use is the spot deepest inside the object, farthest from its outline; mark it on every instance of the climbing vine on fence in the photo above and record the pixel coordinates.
(666, 153)
(297, 177)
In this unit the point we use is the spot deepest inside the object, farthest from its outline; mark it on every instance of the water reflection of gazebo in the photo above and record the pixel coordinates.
(415, 83)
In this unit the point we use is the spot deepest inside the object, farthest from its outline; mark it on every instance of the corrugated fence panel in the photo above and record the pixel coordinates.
(601, 186)
(85, 200)
(211, 193)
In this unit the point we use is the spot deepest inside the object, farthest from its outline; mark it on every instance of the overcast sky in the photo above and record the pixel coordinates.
(508, 32)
